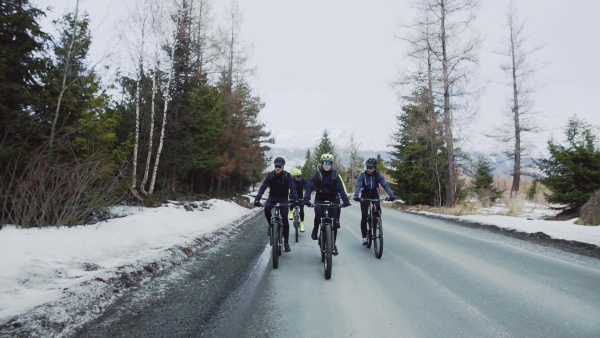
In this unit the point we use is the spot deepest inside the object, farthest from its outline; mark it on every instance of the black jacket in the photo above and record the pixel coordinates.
(279, 187)
(327, 187)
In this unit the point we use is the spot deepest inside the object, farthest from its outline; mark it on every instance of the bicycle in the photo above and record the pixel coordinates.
(325, 239)
(296, 220)
(276, 232)
(375, 226)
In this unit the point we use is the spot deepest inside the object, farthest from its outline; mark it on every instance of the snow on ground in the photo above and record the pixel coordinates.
(49, 274)
(38, 264)
(531, 220)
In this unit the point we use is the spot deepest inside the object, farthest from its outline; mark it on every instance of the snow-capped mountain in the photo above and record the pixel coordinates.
(339, 136)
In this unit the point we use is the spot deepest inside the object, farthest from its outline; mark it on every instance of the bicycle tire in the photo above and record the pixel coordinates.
(322, 245)
(296, 225)
(280, 239)
(327, 263)
(275, 251)
(369, 233)
(378, 237)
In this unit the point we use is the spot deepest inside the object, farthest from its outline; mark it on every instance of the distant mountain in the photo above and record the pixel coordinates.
(310, 138)
(295, 158)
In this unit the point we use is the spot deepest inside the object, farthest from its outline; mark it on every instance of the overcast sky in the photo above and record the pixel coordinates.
(328, 64)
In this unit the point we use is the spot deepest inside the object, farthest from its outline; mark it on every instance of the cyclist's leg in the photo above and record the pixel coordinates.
(268, 208)
(301, 207)
(337, 213)
(286, 224)
(319, 212)
(364, 209)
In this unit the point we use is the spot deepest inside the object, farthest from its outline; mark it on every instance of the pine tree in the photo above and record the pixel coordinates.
(308, 169)
(23, 63)
(572, 172)
(417, 166)
(483, 183)
(325, 146)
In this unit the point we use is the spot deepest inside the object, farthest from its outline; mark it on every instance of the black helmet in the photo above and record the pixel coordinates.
(371, 162)
(279, 161)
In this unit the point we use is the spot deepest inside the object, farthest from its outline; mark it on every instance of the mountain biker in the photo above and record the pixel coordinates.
(328, 187)
(300, 184)
(368, 186)
(280, 184)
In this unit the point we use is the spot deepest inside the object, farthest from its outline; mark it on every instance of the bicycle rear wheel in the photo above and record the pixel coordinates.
(378, 237)
(328, 243)
(276, 245)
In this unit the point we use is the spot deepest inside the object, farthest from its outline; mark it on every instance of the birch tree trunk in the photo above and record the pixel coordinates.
(165, 107)
(136, 143)
(64, 80)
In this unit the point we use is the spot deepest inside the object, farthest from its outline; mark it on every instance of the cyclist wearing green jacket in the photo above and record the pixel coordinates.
(300, 183)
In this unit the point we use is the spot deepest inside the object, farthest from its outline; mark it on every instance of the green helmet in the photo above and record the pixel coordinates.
(327, 157)
(296, 172)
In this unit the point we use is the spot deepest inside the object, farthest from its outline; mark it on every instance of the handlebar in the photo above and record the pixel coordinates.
(373, 199)
(278, 204)
(326, 204)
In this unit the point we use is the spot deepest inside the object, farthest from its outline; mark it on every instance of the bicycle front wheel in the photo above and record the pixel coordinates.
(328, 242)
(369, 233)
(378, 237)
(276, 244)
(296, 226)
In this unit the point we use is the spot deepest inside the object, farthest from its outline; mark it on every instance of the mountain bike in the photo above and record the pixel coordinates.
(374, 226)
(296, 220)
(325, 239)
(276, 232)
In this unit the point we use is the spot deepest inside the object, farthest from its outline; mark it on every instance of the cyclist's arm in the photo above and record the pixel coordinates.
(359, 184)
(342, 191)
(310, 186)
(263, 187)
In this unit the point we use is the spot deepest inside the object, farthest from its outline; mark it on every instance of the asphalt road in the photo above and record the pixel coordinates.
(435, 279)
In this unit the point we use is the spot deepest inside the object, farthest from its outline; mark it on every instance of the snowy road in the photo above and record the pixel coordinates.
(435, 279)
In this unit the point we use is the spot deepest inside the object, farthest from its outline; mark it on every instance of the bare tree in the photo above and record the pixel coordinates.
(519, 69)
(234, 53)
(355, 161)
(445, 44)
(205, 42)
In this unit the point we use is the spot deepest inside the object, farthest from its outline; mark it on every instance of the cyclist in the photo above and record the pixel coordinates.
(280, 184)
(368, 186)
(300, 184)
(328, 187)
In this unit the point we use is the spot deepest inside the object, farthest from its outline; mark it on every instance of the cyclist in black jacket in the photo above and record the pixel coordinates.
(280, 184)
(300, 183)
(328, 187)
(368, 186)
